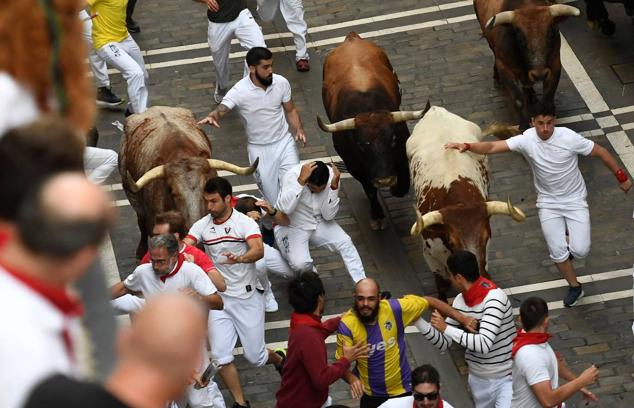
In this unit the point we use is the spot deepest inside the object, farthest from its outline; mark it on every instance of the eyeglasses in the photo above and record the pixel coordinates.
(432, 396)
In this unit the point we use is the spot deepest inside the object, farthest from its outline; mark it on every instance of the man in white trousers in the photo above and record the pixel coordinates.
(105, 97)
(553, 154)
(310, 198)
(234, 243)
(228, 19)
(116, 46)
(263, 100)
(293, 13)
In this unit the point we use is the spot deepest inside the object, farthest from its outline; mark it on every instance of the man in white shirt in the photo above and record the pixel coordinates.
(234, 243)
(50, 243)
(310, 198)
(425, 391)
(552, 153)
(263, 100)
(488, 351)
(536, 369)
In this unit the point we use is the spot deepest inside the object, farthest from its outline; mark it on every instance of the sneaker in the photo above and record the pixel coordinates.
(106, 98)
(128, 111)
(573, 296)
(219, 93)
(236, 405)
(282, 353)
(270, 304)
(133, 27)
(303, 65)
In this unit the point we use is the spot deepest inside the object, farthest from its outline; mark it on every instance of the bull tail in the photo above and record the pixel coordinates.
(501, 131)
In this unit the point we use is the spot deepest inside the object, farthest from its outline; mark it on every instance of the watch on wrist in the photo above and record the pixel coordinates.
(274, 212)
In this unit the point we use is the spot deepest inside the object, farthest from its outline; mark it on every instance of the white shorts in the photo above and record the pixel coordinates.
(491, 392)
(243, 318)
(556, 223)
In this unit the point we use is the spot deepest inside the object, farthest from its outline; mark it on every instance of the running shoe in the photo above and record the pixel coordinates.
(302, 65)
(219, 93)
(106, 98)
(573, 296)
(270, 304)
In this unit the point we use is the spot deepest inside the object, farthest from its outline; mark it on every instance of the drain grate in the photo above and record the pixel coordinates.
(625, 72)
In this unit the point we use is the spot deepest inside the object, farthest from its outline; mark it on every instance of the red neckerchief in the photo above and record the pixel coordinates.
(478, 291)
(181, 259)
(441, 403)
(524, 339)
(4, 237)
(234, 201)
(305, 319)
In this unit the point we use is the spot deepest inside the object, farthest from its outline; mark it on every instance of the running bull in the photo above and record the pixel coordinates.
(524, 38)
(362, 98)
(451, 192)
(169, 156)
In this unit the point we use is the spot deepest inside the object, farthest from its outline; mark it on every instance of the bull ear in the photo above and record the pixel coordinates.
(504, 17)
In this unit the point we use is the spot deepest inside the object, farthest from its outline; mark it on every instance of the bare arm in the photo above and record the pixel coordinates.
(446, 310)
(610, 162)
(548, 397)
(214, 116)
(279, 217)
(117, 290)
(214, 301)
(567, 374)
(498, 146)
(292, 116)
(211, 4)
(217, 279)
(255, 252)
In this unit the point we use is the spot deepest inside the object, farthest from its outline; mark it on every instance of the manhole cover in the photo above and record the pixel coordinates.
(625, 72)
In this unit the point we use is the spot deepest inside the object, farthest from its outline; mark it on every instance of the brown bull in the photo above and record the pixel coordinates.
(524, 38)
(169, 156)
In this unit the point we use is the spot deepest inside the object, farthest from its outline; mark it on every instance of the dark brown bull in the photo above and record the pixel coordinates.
(169, 156)
(524, 37)
(361, 94)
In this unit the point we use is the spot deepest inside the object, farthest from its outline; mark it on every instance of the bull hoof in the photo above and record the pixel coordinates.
(378, 225)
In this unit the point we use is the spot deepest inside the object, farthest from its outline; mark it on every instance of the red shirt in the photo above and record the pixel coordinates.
(307, 375)
(200, 258)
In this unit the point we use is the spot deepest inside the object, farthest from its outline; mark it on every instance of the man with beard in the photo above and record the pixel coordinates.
(425, 391)
(264, 102)
(385, 373)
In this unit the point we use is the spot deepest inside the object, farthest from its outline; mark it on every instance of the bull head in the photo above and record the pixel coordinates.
(159, 172)
(493, 208)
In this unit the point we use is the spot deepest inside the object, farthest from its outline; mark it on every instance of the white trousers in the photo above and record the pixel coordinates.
(127, 304)
(219, 36)
(293, 13)
(274, 263)
(555, 224)
(99, 163)
(293, 243)
(243, 318)
(275, 160)
(97, 65)
(491, 393)
(126, 57)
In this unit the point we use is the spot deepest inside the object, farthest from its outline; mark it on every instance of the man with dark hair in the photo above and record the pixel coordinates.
(52, 240)
(553, 154)
(381, 323)
(536, 368)
(425, 391)
(487, 352)
(310, 198)
(307, 375)
(263, 100)
(234, 243)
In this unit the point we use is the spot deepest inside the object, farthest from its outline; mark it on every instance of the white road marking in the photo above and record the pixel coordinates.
(625, 109)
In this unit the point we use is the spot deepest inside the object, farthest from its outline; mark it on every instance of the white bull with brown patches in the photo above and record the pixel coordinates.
(451, 193)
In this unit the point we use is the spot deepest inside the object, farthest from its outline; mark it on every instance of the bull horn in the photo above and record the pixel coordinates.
(241, 171)
(424, 221)
(563, 10)
(154, 173)
(504, 17)
(346, 124)
(505, 208)
(402, 116)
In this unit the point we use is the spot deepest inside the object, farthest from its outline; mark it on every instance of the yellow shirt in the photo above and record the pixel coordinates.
(386, 372)
(109, 26)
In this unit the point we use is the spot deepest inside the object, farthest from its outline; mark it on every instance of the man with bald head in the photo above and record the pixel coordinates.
(52, 240)
(381, 323)
(155, 365)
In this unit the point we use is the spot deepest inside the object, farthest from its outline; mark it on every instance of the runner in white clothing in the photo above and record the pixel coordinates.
(536, 369)
(234, 243)
(310, 198)
(425, 391)
(552, 152)
(263, 100)
(488, 351)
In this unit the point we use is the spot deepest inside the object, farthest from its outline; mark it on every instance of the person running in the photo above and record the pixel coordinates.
(228, 19)
(487, 352)
(263, 97)
(425, 391)
(536, 368)
(385, 373)
(552, 153)
(234, 243)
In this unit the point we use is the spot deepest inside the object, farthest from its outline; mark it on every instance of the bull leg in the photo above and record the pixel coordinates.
(516, 97)
(550, 87)
(142, 247)
(376, 211)
(598, 17)
(443, 286)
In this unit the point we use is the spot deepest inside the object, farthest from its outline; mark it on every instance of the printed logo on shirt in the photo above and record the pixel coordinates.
(227, 230)
(213, 229)
(388, 325)
(382, 346)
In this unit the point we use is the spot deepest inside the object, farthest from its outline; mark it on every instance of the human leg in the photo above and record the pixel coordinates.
(132, 48)
(293, 245)
(267, 9)
(270, 303)
(97, 65)
(293, 13)
(219, 40)
(222, 338)
(266, 174)
(248, 33)
(503, 391)
(99, 163)
(331, 236)
(276, 264)
(578, 226)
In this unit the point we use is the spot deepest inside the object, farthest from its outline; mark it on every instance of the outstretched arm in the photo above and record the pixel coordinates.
(610, 162)
(214, 116)
(467, 322)
(498, 146)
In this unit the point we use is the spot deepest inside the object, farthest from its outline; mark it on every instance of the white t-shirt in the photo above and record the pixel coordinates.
(556, 175)
(533, 364)
(187, 275)
(17, 105)
(230, 236)
(261, 110)
(406, 402)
